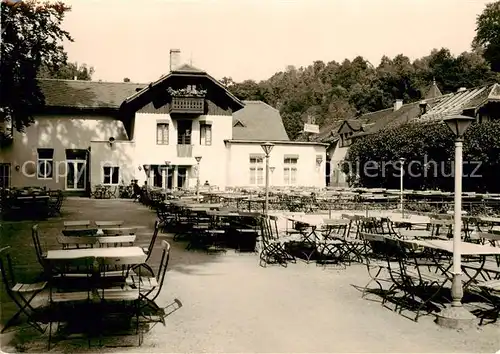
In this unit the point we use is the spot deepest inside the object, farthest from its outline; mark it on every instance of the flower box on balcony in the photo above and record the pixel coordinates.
(185, 104)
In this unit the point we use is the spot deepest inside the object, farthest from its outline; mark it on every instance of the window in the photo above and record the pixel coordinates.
(290, 170)
(45, 163)
(346, 139)
(111, 175)
(161, 133)
(256, 170)
(4, 175)
(184, 132)
(205, 134)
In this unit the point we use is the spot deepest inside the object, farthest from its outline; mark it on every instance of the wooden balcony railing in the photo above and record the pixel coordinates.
(188, 105)
(184, 150)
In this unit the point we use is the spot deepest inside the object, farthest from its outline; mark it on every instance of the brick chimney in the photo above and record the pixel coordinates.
(175, 59)
(398, 104)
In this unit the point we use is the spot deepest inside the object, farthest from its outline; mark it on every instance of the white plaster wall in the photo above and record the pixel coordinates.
(120, 154)
(59, 133)
(308, 173)
(214, 157)
(337, 156)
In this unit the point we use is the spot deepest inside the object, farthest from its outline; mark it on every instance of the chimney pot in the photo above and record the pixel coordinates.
(398, 104)
(175, 58)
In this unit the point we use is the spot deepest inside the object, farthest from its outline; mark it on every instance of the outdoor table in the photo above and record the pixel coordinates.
(307, 237)
(491, 220)
(412, 220)
(467, 249)
(136, 253)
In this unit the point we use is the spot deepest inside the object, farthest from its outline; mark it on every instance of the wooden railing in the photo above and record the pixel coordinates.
(188, 105)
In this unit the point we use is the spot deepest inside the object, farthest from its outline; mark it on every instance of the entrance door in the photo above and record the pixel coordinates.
(182, 177)
(76, 175)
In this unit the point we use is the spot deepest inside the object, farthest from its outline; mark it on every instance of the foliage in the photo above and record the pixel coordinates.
(335, 91)
(428, 150)
(126, 79)
(31, 38)
(487, 39)
(186, 92)
(68, 71)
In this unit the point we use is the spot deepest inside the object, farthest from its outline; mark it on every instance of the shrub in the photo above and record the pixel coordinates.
(428, 150)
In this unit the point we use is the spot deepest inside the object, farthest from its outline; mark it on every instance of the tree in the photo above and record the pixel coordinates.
(126, 79)
(487, 39)
(68, 71)
(31, 39)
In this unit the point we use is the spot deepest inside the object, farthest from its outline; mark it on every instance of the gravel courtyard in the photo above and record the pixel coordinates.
(230, 304)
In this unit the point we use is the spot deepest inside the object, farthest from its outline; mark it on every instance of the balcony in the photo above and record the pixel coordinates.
(184, 104)
(184, 150)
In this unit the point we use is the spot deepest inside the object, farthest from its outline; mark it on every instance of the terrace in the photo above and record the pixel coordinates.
(229, 303)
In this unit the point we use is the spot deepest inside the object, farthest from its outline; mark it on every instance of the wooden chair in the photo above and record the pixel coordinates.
(22, 294)
(148, 284)
(66, 295)
(116, 241)
(69, 242)
(115, 295)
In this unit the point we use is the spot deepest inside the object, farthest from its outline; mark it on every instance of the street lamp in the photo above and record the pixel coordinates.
(456, 315)
(401, 194)
(198, 159)
(267, 147)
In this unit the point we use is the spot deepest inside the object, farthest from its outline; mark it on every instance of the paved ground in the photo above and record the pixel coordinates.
(230, 304)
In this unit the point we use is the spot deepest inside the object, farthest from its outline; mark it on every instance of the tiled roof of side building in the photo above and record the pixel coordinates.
(86, 94)
(258, 121)
(456, 102)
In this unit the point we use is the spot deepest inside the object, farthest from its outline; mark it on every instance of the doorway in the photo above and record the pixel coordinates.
(181, 177)
(4, 175)
(76, 176)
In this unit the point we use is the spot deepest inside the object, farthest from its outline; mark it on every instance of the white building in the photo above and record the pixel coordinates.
(92, 133)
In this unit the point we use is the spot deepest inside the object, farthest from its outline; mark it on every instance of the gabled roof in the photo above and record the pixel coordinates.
(457, 102)
(260, 122)
(86, 94)
(185, 70)
(354, 124)
(433, 91)
(373, 122)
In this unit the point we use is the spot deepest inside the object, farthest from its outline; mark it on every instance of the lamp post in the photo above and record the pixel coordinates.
(456, 316)
(167, 163)
(267, 147)
(401, 189)
(198, 159)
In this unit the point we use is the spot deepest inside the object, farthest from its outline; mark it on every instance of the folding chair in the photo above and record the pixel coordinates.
(114, 292)
(149, 285)
(22, 294)
(67, 293)
(149, 249)
(272, 250)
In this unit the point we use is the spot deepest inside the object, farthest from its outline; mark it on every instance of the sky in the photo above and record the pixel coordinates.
(253, 39)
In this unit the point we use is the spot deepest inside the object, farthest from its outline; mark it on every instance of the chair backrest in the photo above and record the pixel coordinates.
(36, 242)
(153, 239)
(76, 241)
(8, 277)
(118, 231)
(116, 241)
(79, 232)
(162, 270)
